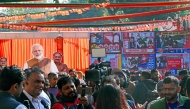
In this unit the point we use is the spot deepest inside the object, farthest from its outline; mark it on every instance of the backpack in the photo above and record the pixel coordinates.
(151, 94)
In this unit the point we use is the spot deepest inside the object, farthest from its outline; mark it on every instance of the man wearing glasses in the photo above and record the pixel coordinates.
(172, 97)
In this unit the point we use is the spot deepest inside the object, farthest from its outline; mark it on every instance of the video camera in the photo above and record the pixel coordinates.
(100, 70)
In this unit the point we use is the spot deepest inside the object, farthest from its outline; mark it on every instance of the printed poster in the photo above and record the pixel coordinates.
(138, 62)
(114, 59)
(138, 43)
(172, 62)
(172, 42)
(109, 40)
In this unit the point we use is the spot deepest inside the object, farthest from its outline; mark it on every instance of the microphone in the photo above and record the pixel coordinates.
(44, 104)
(26, 103)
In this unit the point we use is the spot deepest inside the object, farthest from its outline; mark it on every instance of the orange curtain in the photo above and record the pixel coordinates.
(6, 50)
(76, 53)
(21, 49)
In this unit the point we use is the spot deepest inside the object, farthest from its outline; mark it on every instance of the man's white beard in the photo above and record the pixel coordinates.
(38, 57)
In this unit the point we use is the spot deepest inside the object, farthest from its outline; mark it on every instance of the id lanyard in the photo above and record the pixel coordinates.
(167, 104)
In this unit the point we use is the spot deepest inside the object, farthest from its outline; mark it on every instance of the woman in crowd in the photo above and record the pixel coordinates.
(111, 97)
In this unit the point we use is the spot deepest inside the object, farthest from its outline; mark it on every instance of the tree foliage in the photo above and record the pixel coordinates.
(114, 11)
(117, 11)
(93, 12)
(22, 11)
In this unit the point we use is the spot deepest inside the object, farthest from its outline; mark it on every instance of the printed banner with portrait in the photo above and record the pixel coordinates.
(172, 42)
(109, 40)
(138, 43)
(172, 62)
(114, 59)
(138, 62)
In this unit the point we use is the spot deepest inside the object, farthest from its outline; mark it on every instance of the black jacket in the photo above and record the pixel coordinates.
(186, 105)
(140, 92)
(8, 101)
(52, 98)
(182, 84)
(24, 97)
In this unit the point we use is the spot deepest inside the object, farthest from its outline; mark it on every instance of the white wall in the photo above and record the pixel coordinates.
(38, 35)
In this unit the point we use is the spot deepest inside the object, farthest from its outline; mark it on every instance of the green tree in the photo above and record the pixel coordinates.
(22, 11)
(118, 11)
(114, 11)
(93, 12)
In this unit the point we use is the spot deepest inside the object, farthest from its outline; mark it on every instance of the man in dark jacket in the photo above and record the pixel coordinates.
(155, 75)
(33, 89)
(186, 105)
(11, 85)
(184, 74)
(50, 95)
(140, 92)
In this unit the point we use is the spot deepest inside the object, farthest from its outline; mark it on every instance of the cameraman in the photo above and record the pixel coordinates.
(131, 85)
(124, 83)
(68, 97)
(115, 81)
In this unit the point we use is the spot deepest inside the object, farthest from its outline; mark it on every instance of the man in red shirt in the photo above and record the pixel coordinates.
(68, 99)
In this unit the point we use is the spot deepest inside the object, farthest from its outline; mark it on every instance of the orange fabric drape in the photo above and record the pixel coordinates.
(76, 53)
(6, 50)
(21, 49)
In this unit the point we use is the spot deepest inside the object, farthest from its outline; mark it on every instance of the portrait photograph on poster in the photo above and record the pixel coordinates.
(114, 59)
(137, 62)
(172, 42)
(109, 40)
(138, 42)
(172, 62)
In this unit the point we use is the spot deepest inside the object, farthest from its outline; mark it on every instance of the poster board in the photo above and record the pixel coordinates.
(172, 42)
(138, 43)
(109, 40)
(138, 62)
(172, 62)
(114, 59)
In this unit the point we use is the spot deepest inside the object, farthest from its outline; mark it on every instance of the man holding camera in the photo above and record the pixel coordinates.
(68, 97)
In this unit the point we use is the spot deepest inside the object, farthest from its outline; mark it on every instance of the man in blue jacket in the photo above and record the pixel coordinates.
(186, 105)
(11, 85)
